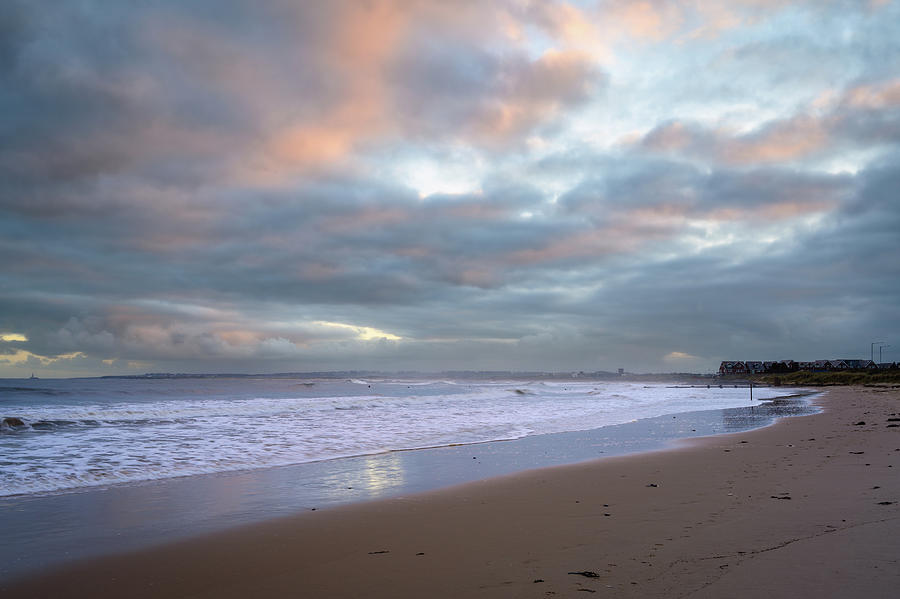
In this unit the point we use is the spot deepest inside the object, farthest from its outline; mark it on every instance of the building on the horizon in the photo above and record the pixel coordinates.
(785, 366)
(733, 367)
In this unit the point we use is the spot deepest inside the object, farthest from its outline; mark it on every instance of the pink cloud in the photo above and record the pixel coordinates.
(877, 96)
(781, 141)
(770, 212)
(366, 218)
(534, 93)
(830, 122)
(778, 141)
(627, 232)
(670, 137)
(649, 20)
(344, 97)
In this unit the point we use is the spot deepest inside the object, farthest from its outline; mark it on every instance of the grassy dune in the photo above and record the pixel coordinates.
(875, 377)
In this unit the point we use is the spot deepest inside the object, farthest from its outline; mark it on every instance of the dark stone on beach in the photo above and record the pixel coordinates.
(860, 423)
(536, 580)
(886, 502)
(857, 452)
(378, 552)
(653, 485)
(421, 553)
(586, 573)
(12, 421)
(893, 425)
(893, 419)
(588, 590)
(777, 497)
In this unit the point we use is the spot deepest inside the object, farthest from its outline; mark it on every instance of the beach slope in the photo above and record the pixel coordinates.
(808, 507)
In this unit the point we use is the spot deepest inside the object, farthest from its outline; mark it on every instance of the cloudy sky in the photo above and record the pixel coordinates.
(236, 186)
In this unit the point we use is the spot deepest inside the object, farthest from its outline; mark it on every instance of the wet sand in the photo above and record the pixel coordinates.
(807, 507)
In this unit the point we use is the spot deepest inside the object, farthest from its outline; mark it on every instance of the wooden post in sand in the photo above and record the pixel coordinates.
(751, 390)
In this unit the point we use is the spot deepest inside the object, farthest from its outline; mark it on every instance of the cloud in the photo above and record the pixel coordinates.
(678, 355)
(674, 193)
(471, 95)
(775, 143)
(21, 357)
(267, 95)
(150, 334)
(362, 333)
(860, 116)
(201, 185)
(12, 337)
(346, 252)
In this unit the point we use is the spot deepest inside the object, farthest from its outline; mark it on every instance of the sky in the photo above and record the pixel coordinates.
(282, 186)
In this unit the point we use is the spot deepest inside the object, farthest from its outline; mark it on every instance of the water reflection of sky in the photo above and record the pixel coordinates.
(40, 531)
(368, 476)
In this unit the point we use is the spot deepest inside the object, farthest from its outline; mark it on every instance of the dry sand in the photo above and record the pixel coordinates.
(809, 507)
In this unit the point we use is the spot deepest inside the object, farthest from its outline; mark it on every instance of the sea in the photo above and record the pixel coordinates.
(79, 433)
(98, 465)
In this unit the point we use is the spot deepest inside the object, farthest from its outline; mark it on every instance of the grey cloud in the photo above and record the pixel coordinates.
(286, 248)
(185, 92)
(358, 272)
(313, 244)
(635, 182)
(131, 230)
(821, 293)
(14, 34)
(870, 126)
(446, 88)
(867, 116)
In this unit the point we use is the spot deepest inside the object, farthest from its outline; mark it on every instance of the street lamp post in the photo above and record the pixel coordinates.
(872, 349)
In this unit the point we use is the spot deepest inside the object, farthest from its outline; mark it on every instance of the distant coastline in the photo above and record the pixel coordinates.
(475, 375)
(795, 378)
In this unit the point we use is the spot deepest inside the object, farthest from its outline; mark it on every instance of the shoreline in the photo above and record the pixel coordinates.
(53, 529)
(28, 479)
(808, 505)
(800, 394)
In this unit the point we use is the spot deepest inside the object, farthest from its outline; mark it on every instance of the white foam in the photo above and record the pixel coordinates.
(122, 441)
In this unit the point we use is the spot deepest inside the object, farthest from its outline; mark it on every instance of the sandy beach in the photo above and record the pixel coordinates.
(808, 507)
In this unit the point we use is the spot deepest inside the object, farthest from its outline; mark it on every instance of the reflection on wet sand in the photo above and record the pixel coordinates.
(741, 419)
(370, 477)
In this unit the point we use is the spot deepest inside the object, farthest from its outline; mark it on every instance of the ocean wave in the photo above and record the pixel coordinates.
(34, 391)
(127, 440)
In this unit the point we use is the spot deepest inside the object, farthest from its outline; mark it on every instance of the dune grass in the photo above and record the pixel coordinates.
(854, 377)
